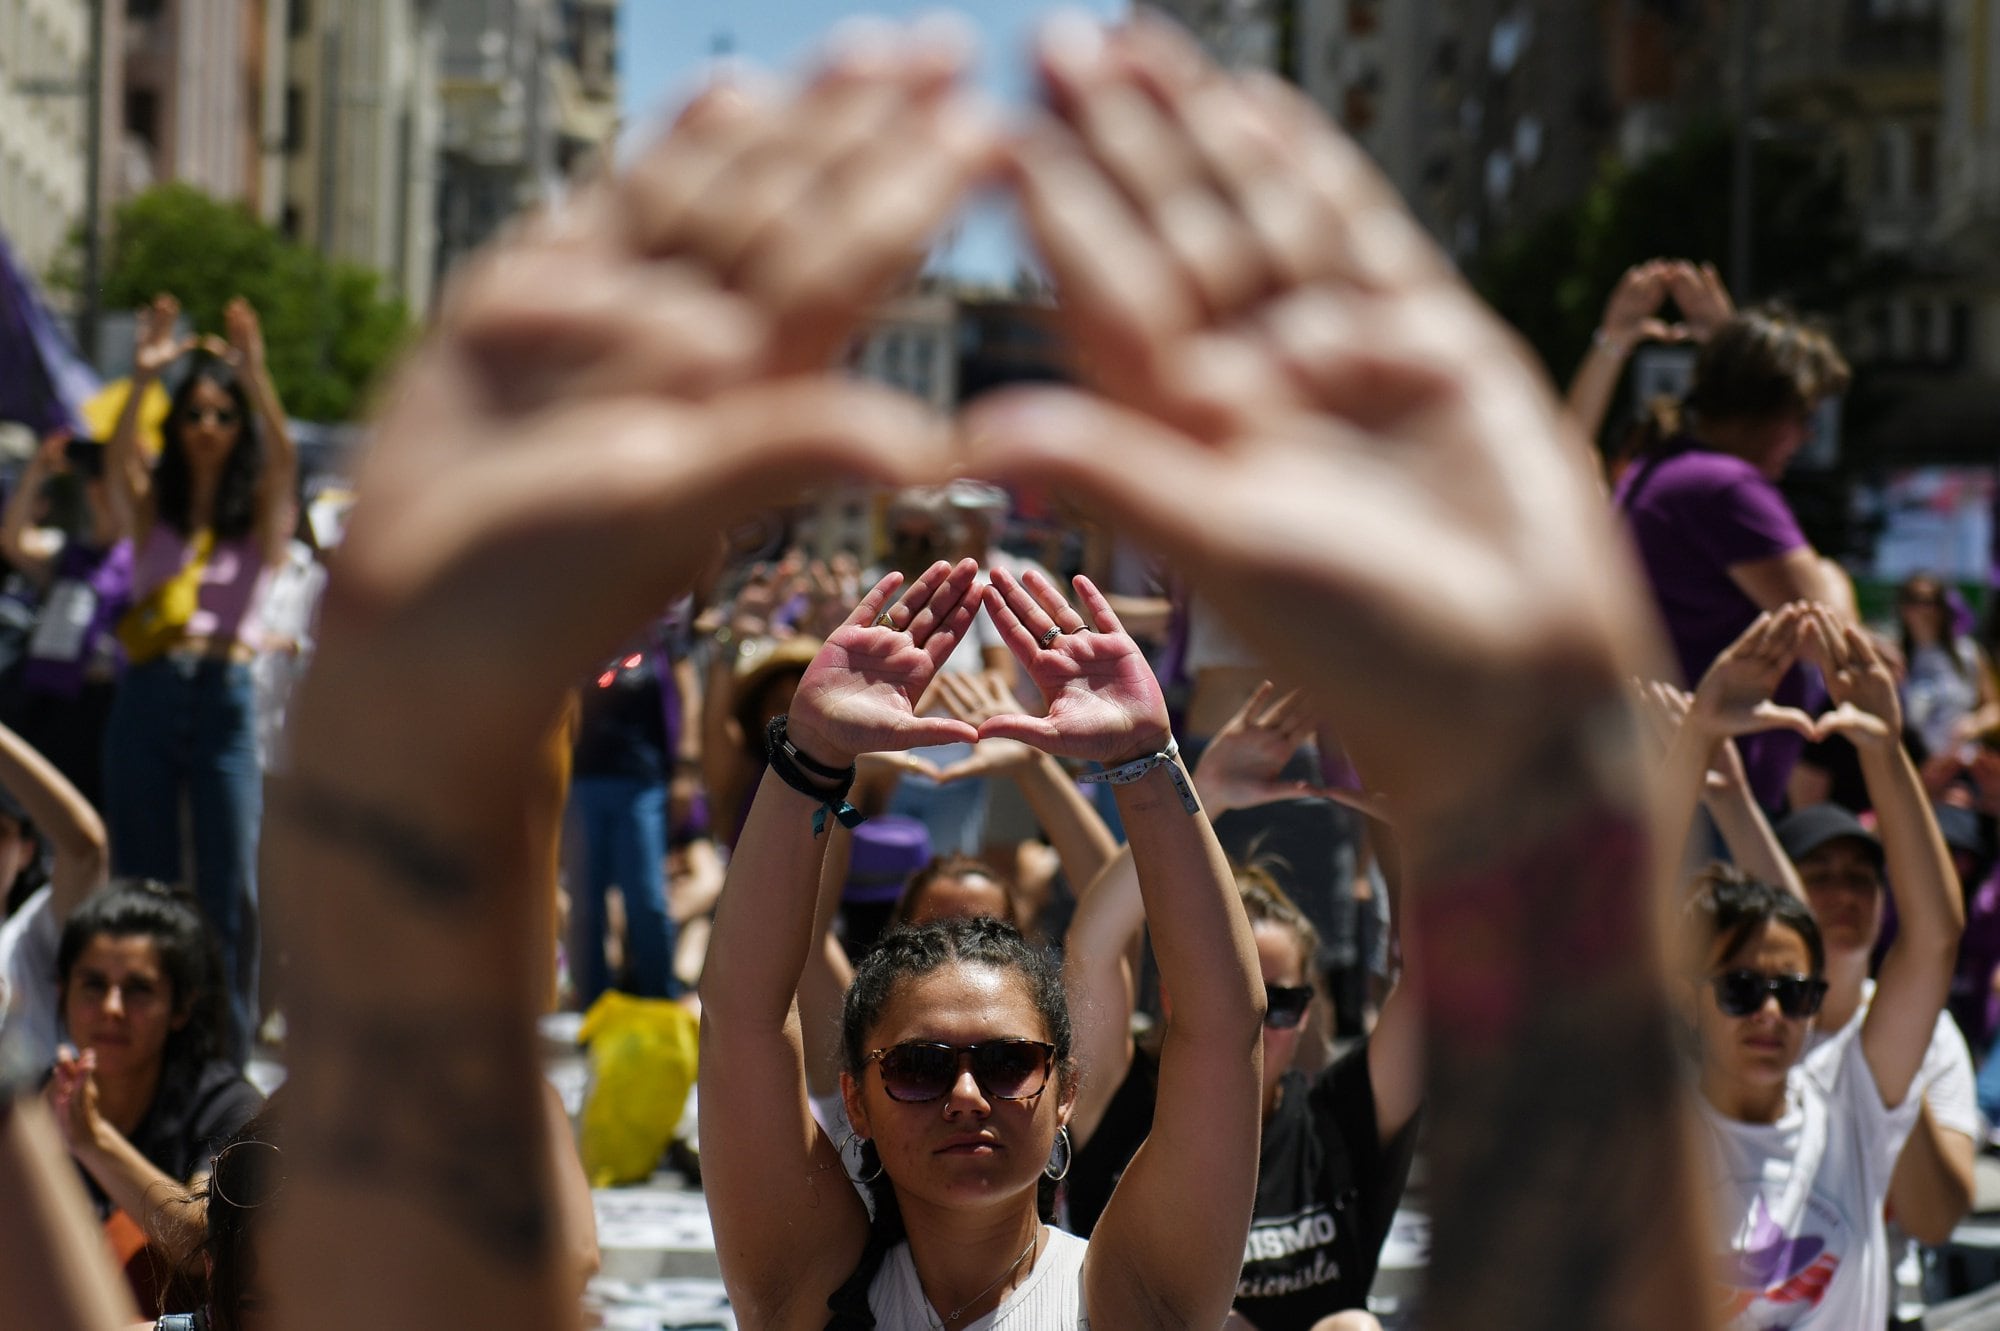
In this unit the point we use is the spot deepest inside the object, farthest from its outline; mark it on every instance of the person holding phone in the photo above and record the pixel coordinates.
(82, 575)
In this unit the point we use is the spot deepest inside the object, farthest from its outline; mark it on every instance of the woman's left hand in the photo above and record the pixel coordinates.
(1103, 702)
(1861, 683)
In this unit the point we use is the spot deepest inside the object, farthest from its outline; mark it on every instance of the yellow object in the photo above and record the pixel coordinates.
(158, 619)
(642, 1058)
(100, 413)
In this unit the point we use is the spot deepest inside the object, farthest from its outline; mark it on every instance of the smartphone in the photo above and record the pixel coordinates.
(85, 457)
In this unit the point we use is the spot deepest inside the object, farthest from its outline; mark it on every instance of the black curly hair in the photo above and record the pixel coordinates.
(146, 909)
(236, 493)
(906, 953)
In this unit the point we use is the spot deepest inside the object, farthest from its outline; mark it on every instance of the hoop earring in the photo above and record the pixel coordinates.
(1050, 1171)
(865, 1145)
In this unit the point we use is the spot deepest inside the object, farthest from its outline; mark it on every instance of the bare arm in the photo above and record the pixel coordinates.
(577, 1215)
(1796, 575)
(20, 544)
(1930, 912)
(52, 1258)
(278, 480)
(82, 855)
(1933, 1186)
(128, 476)
(1097, 969)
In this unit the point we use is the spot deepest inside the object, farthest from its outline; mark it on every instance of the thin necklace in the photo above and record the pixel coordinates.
(959, 1311)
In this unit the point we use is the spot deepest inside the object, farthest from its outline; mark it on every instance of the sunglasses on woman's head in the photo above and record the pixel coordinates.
(247, 1174)
(1741, 993)
(920, 1070)
(1285, 1005)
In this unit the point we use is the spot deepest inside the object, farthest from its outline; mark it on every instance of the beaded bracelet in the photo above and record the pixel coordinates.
(1138, 767)
(787, 761)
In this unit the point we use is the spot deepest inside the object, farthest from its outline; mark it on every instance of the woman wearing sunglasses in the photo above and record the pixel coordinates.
(1804, 1142)
(1335, 1146)
(959, 1075)
(207, 522)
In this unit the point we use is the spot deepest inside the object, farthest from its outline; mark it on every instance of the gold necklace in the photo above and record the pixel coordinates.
(959, 1311)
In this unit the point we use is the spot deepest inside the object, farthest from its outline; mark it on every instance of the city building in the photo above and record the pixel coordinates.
(44, 153)
(351, 153)
(189, 76)
(530, 95)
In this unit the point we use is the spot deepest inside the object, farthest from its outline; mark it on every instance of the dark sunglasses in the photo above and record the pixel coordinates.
(209, 416)
(1741, 993)
(918, 1070)
(1285, 1005)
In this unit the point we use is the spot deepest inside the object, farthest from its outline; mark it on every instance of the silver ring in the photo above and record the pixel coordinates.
(882, 621)
(1055, 631)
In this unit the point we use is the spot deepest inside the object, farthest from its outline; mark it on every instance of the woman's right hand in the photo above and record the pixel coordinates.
(159, 346)
(860, 693)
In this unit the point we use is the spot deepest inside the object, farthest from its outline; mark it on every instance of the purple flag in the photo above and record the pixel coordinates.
(43, 381)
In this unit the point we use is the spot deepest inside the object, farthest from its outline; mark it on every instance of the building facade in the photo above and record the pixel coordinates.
(44, 157)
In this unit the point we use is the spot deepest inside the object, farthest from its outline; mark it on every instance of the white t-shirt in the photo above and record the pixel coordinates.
(1050, 1299)
(28, 999)
(1945, 1083)
(1800, 1200)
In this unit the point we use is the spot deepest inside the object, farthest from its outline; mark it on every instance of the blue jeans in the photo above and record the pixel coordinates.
(186, 729)
(618, 835)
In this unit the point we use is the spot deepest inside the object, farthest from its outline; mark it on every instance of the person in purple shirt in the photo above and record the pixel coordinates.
(1718, 542)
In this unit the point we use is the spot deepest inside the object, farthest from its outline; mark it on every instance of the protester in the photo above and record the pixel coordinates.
(1335, 1147)
(1948, 688)
(1808, 1134)
(208, 521)
(61, 698)
(1718, 541)
(146, 1095)
(1632, 317)
(31, 938)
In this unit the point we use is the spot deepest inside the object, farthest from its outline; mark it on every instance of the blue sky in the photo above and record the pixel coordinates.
(665, 45)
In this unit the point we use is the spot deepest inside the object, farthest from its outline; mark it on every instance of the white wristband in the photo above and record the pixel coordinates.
(1138, 767)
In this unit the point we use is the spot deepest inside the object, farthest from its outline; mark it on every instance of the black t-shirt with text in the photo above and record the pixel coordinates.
(1327, 1188)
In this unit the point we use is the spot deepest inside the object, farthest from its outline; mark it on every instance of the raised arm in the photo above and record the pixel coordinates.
(1915, 976)
(53, 1263)
(1152, 1262)
(1631, 316)
(1324, 427)
(787, 1224)
(278, 480)
(81, 851)
(128, 476)
(20, 543)
(585, 414)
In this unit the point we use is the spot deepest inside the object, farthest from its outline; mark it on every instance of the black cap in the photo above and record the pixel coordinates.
(1804, 831)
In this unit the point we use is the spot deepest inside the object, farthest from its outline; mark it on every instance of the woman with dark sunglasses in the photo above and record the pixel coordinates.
(1335, 1145)
(1804, 1141)
(959, 1076)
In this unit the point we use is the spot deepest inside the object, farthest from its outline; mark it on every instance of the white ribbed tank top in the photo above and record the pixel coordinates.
(1050, 1299)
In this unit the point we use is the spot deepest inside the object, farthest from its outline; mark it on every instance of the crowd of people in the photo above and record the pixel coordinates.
(1104, 949)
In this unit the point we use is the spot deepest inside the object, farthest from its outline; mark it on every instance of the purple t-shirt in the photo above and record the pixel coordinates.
(1693, 515)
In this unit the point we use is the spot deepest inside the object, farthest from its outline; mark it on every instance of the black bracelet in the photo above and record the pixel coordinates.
(786, 761)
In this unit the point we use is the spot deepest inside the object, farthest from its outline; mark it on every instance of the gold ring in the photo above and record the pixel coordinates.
(882, 621)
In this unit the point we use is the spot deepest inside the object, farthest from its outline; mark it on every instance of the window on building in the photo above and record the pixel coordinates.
(1890, 167)
(142, 115)
(143, 10)
(1364, 17)
(295, 120)
(299, 18)
(1923, 163)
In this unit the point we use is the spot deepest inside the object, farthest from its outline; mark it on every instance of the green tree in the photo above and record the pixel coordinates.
(329, 327)
(1550, 278)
